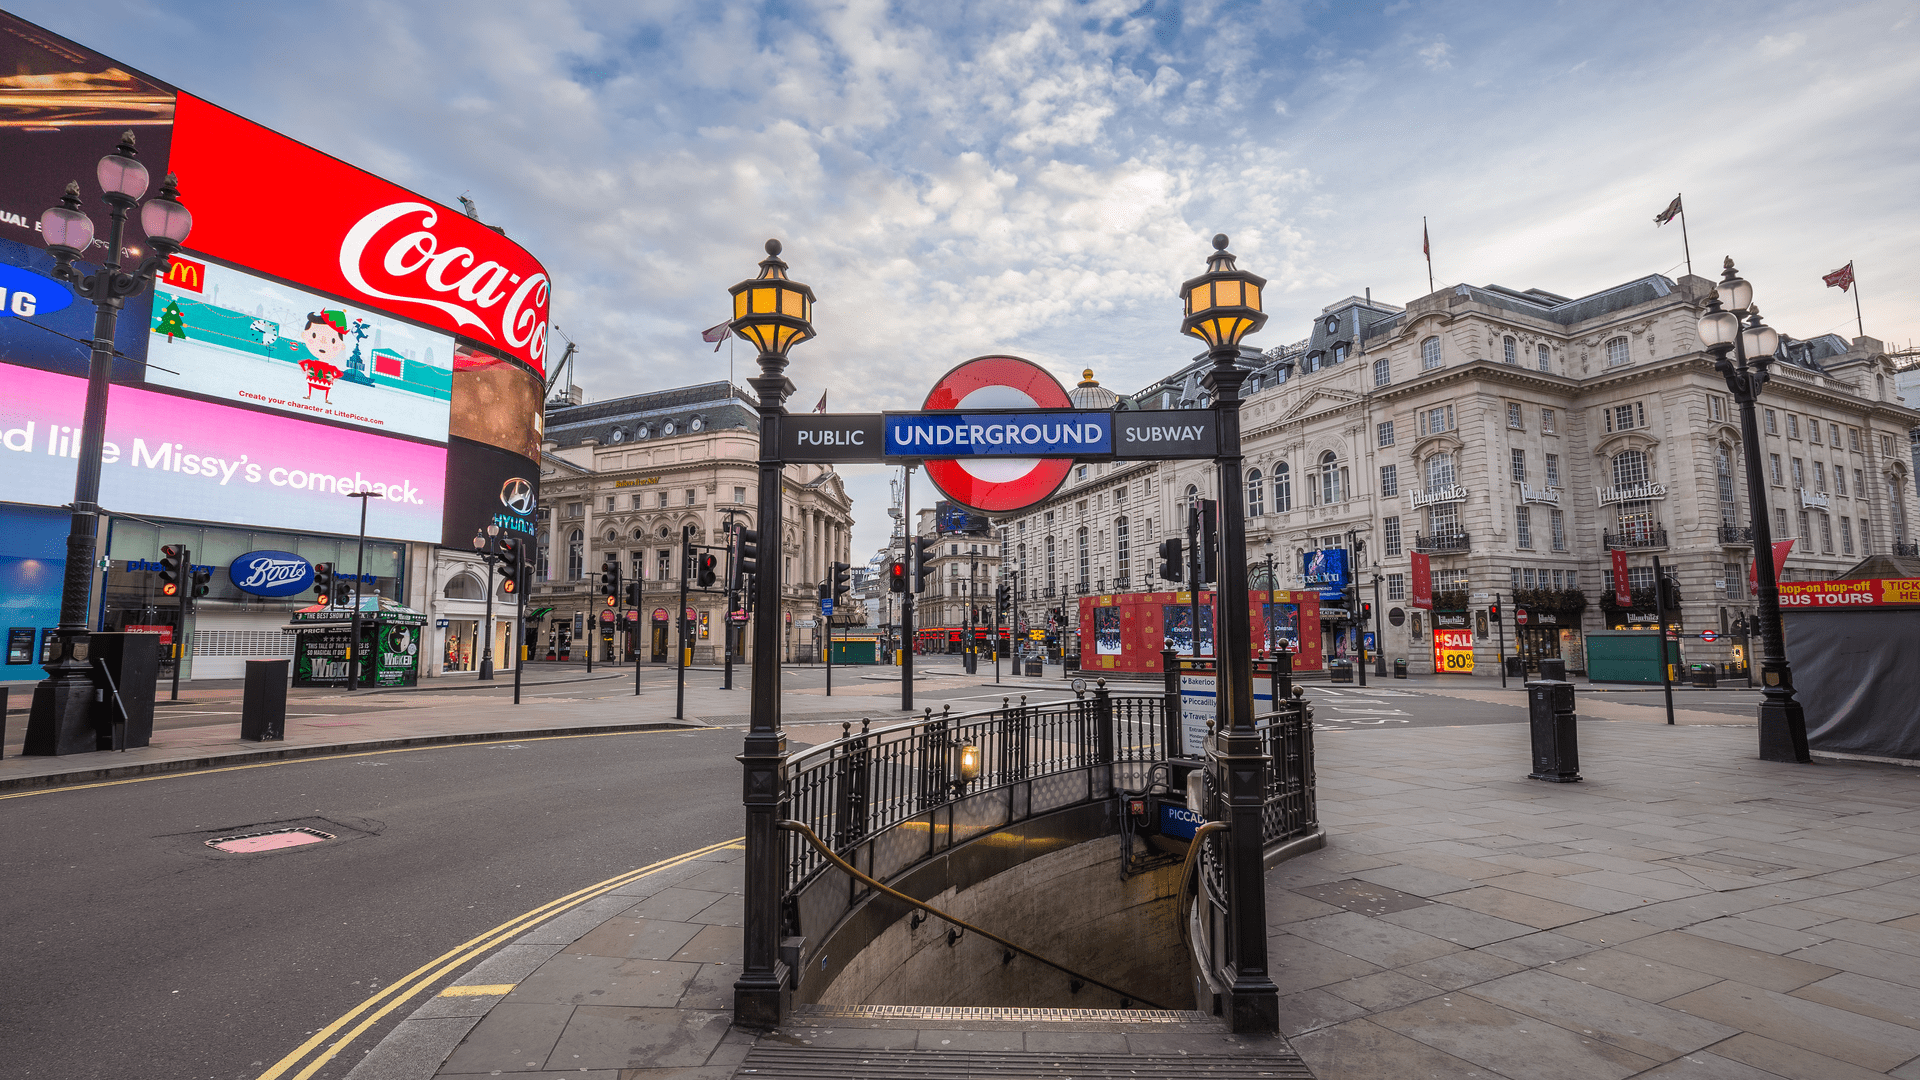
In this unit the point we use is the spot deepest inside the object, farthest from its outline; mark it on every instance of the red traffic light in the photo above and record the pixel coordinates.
(170, 589)
(1494, 611)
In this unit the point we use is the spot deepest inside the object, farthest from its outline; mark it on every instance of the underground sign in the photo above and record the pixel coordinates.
(997, 484)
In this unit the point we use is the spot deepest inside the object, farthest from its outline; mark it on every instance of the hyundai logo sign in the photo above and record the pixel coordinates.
(271, 573)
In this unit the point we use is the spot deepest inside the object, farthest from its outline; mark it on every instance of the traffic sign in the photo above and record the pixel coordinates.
(1709, 635)
(998, 484)
(826, 605)
(1520, 616)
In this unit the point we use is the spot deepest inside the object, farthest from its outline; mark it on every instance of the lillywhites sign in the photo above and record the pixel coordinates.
(1529, 493)
(1452, 493)
(1814, 500)
(271, 573)
(1640, 492)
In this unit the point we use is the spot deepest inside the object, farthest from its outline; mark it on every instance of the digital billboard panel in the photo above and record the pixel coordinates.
(487, 486)
(43, 325)
(261, 200)
(496, 402)
(236, 336)
(165, 456)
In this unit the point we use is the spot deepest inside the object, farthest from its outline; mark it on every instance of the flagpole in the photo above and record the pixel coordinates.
(1684, 246)
(1426, 248)
(1858, 323)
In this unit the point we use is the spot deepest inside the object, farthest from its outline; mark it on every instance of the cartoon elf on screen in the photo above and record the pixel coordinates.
(326, 338)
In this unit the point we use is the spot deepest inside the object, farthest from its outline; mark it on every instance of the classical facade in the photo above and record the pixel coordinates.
(959, 593)
(629, 476)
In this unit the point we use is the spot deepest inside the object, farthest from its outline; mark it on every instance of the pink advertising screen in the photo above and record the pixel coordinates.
(164, 453)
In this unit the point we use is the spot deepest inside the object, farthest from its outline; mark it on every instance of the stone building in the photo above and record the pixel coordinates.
(631, 475)
(966, 570)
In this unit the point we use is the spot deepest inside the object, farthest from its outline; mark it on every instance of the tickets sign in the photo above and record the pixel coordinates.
(1867, 592)
(1453, 652)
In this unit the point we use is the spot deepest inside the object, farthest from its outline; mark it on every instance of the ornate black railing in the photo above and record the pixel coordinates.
(1637, 538)
(1911, 551)
(1441, 542)
(1736, 534)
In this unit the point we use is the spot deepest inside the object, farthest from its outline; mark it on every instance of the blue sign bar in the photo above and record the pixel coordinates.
(1052, 433)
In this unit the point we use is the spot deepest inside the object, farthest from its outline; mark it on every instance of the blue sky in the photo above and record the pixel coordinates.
(1037, 177)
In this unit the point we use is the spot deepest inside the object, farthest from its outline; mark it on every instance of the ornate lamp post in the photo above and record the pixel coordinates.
(1222, 306)
(61, 703)
(1741, 354)
(775, 313)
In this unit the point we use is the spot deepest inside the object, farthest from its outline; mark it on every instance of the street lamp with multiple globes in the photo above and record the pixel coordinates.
(775, 313)
(61, 703)
(1223, 306)
(1741, 353)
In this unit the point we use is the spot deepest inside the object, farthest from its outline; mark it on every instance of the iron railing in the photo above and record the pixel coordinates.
(1441, 542)
(1736, 534)
(1637, 538)
(1911, 551)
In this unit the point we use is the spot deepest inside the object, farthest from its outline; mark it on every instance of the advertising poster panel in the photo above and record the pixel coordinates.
(164, 453)
(235, 336)
(43, 325)
(1453, 651)
(354, 235)
(497, 402)
(1106, 631)
(487, 486)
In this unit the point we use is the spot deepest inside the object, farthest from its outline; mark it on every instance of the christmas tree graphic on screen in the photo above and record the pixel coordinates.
(267, 345)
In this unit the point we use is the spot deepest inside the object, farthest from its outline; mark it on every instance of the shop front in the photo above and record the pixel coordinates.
(390, 634)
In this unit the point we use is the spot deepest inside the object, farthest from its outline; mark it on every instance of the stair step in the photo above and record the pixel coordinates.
(931, 1015)
(771, 1062)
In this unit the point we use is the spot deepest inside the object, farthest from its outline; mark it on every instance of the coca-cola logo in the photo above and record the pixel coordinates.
(397, 248)
(271, 573)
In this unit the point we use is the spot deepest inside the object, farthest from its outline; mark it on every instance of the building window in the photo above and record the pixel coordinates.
(739, 494)
(1523, 526)
(1866, 537)
(1799, 473)
(1773, 463)
(1518, 465)
(1731, 575)
(1716, 407)
(1616, 351)
(1544, 357)
(1773, 423)
(637, 565)
(1332, 489)
(663, 500)
(1846, 536)
(1050, 565)
(637, 504)
(1636, 518)
(1826, 533)
(1340, 354)
(1435, 420)
(1515, 418)
(1547, 421)
(1396, 586)
(1080, 473)
(1813, 431)
(576, 555)
(1553, 470)
(1120, 495)
(1806, 526)
(1085, 561)
(1389, 481)
(1559, 523)
(1390, 532)
(1443, 520)
(1859, 484)
(663, 561)
(1123, 549)
(1886, 445)
(1382, 372)
(1385, 430)
(1510, 350)
(1723, 471)
(1853, 439)
(1839, 480)
(1256, 492)
(1282, 488)
(1626, 417)
(1833, 435)
(576, 510)
(1780, 523)
(1430, 354)
(1439, 472)
(1793, 426)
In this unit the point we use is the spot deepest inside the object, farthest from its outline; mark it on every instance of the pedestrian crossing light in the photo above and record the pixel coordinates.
(709, 566)
(202, 583)
(897, 577)
(1172, 567)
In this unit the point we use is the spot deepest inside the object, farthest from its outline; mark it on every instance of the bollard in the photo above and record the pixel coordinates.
(263, 702)
(1556, 748)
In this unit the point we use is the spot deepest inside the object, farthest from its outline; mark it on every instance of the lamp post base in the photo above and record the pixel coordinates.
(1783, 732)
(62, 720)
(763, 1002)
(1252, 1010)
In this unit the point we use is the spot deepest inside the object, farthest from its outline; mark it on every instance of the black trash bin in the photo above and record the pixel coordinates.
(263, 701)
(1556, 747)
(1340, 671)
(1070, 661)
(1035, 668)
(1553, 668)
(128, 663)
(1400, 669)
(1704, 675)
(1516, 668)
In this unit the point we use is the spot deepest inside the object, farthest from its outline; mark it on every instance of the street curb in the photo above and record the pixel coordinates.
(153, 768)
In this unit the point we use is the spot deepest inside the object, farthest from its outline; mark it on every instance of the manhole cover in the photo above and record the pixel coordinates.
(268, 841)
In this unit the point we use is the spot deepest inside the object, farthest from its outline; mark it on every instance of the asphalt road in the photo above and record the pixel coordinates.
(133, 949)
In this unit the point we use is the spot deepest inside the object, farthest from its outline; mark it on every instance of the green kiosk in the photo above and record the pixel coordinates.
(390, 634)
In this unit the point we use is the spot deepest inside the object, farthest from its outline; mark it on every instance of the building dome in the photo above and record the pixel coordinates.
(1090, 394)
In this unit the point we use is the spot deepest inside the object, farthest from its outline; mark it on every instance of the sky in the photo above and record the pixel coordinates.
(1037, 177)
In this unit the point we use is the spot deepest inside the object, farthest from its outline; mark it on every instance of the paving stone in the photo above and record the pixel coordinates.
(1416, 880)
(713, 945)
(1455, 970)
(639, 939)
(726, 911)
(1299, 964)
(1372, 940)
(1810, 1025)
(567, 928)
(1792, 1062)
(510, 1036)
(1874, 935)
(723, 878)
(1383, 990)
(1610, 929)
(677, 904)
(1312, 1009)
(1362, 1050)
(1287, 906)
(1076, 1042)
(1540, 948)
(1508, 1042)
(610, 1038)
(1796, 918)
(1362, 897)
(1849, 956)
(1882, 1000)
(1633, 975)
(1518, 907)
(1564, 889)
(1736, 962)
(710, 1072)
(1471, 869)
(1644, 884)
(1470, 929)
(1626, 1022)
(605, 980)
(1702, 1065)
(1861, 904)
(1740, 930)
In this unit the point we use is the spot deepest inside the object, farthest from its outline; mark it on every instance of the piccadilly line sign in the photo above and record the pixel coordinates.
(1036, 433)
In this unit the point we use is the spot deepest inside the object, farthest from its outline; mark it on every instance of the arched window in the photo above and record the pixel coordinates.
(1629, 467)
(1616, 351)
(1510, 350)
(1430, 354)
(576, 555)
(1723, 472)
(1193, 500)
(1331, 487)
(1282, 488)
(1545, 357)
(465, 587)
(1382, 371)
(1085, 564)
(541, 561)
(1439, 472)
(1256, 493)
(613, 536)
(1880, 387)
(1636, 521)
(639, 534)
(1123, 550)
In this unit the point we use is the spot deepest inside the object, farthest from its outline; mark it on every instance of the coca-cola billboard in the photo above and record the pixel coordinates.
(264, 201)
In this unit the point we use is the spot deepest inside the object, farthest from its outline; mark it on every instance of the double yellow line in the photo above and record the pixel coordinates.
(369, 1012)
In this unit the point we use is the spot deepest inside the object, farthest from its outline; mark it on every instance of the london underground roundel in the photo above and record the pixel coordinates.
(997, 485)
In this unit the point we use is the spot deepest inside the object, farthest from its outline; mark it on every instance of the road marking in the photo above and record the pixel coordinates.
(405, 989)
(187, 773)
(478, 991)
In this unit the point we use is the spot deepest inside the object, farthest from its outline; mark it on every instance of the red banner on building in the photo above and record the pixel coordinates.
(1780, 550)
(1422, 582)
(1622, 595)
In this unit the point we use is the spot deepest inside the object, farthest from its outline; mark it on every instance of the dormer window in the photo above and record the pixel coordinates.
(667, 428)
(617, 436)
(641, 432)
(1340, 353)
(697, 423)
(1333, 324)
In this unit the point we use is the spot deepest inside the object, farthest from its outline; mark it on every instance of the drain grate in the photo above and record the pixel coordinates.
(854, 1063)
(274, 840)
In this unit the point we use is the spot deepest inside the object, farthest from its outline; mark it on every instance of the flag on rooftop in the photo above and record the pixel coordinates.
(716, 333)
(1841, 279)
(1672, 211)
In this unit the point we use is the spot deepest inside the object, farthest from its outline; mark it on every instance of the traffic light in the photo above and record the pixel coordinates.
(1493, 612)
(633, 595)
(1172, 560)
(1003, 598)
(1209, 513)
(823, 590)
(746, 556)
(511, 550)
(897, 577)
(201, 580)
(1669, 593)
(923, 547)
(839, 577)
(610, 578)
(323, 583)
(172, 560)
(1366, 613)
(708, 569)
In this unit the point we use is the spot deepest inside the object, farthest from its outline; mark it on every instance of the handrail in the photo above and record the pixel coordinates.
(797, 757)
(1187, 867)
(849, 868)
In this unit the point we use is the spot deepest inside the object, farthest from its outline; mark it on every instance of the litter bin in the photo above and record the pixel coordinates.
(263, 701)
(1070, 661)
(1556, 748)
(1553, 668)
(1704, 675)
(1400, 669)
(127, 664)
(1516, 667)
(1340, 671)
(1035, 668)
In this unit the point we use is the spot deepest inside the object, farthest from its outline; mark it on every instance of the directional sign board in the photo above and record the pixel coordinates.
(830, 437)
(996, 483)
(826, 605)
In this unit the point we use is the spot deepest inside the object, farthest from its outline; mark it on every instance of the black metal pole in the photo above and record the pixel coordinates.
(180, 633)
(1379, 653)
(907, 637)
(680, 620)
(486, 636)
(359, 573)
(1660, 610)
(826, 615)
(520, 650)
(1193, 573)
(1500, 627)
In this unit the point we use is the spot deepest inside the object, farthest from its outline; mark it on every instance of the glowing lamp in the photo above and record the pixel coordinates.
(969, 763)
(1223, 304)
(773, 311)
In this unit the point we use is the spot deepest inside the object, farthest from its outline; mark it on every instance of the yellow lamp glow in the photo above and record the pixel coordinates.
(772, 310)
(969, 763)
(1223, 304)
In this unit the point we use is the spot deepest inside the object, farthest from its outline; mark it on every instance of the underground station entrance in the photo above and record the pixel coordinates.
(1098, 860)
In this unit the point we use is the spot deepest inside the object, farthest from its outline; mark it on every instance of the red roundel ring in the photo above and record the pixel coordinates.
(998, 485)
